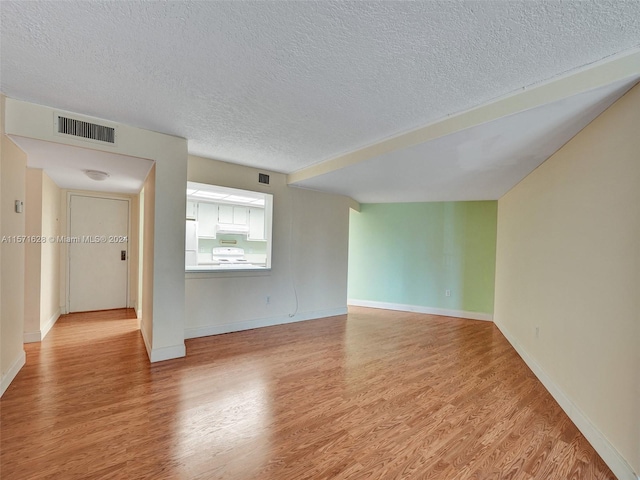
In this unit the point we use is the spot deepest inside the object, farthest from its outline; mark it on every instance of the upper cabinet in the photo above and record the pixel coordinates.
(214, 217)
(256, 224)
(225, 214)
(207, 219)
(192, 210)
(240, 215)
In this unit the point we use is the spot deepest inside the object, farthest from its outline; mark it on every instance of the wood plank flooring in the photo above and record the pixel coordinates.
(372, 395)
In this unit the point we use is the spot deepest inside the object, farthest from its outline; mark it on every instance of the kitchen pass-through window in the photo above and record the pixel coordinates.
(227, 229)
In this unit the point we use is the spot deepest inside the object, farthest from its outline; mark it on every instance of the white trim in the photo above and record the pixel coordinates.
(8, 377)
(38, 336)
(32, 337)
(420, 309)
(147, 341)
(618, 465)
(167, 353)
(195, 332)
(163, 353)
(49, 325)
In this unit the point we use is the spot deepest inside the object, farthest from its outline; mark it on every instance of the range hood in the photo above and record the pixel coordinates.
(232, 228)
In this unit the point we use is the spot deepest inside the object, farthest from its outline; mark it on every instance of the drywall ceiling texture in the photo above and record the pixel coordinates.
(284, 85)
(66, 164)
(479, 163)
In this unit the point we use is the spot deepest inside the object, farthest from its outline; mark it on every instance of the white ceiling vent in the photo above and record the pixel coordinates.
(85, 130)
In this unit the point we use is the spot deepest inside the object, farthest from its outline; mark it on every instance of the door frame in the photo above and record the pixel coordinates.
(106, 196)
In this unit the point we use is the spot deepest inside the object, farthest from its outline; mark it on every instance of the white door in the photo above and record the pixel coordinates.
(98, 253)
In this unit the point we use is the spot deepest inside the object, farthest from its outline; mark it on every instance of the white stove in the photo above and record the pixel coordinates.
(232, 256)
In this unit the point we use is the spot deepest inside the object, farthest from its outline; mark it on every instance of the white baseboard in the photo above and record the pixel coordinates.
(52, 321)
(420, 309)
(600, 443)
(38, 336)
(167, 353)
(195, 332)
(147, 341)
(32, 337)
(8, 377)
(163, 353)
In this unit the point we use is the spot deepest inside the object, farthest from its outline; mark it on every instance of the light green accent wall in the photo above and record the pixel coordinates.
(411, 253)
(205, 245)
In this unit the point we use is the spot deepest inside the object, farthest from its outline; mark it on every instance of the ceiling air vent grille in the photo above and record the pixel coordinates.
(90, 131)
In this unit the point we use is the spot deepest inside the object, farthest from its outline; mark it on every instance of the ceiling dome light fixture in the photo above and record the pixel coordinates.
(96, 175)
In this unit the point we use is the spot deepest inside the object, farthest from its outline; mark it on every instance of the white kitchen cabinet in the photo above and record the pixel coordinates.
(256, 224)
(192, 210)
(207, 219)
(240, 215)
(225, 214)
(232, 214)
(191, 236)
(211, 215)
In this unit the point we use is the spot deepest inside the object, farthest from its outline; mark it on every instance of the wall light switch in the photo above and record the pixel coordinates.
(19, 206)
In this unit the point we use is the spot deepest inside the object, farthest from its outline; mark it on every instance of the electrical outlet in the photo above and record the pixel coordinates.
(447, 293)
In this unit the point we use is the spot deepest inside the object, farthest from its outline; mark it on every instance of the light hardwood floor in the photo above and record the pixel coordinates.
(375, 395)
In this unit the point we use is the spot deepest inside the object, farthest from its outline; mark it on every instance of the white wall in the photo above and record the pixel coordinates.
(568, 264)
(139, 226)
(50, 256)
(42, 259)
(134, 249)
(33, 255)
(309, 256)
(146, 293)
(170, 156)
(13, 162)
(3, 387)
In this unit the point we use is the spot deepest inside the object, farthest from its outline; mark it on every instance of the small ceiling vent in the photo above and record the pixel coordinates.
(263, 178)
(86, 130)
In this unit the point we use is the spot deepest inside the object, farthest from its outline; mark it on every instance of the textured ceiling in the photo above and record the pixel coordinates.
(66, 165)
(284, 85)
(479, 163)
